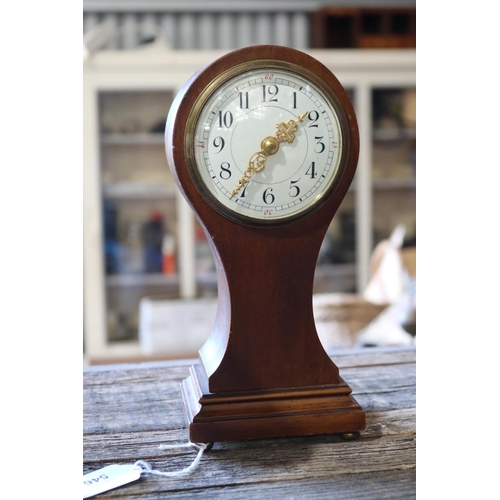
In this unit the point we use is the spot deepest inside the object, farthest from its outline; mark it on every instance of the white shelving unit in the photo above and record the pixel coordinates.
(153, 70)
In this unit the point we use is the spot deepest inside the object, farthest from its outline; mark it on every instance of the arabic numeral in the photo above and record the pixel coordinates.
(268, 196)
(219, 142)
(226, 119)
(244, 191)
(243, 100)
(272, 90)
(294, 190)
(225, 172)
(320, 144)
(311, 171)
(313, 116)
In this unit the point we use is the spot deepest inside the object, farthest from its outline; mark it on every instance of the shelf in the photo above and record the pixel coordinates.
(205, 280)
(394, 134)
(140, 280)
(334, 270)
(133, 139)
(134, 190)
(388, 184)
(210, 279)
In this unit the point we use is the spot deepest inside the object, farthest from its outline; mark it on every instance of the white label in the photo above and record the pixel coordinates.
(108, 478)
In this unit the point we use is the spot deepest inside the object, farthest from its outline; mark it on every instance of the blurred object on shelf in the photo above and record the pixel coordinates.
(103, 33)
(175, 328)
(392, 284)
(394, 134)
(384, 313)
(131, 125)
(96, 38)
(409, 315)
(387, 329)
(394, 159)
(133, 112)
(363, 28)
(348, 232)
(396, 325)
(168, 255)
(158, 128)
(153, 238)
(340, 317)
(111, 244)
(409, 108)
(387, 272)
(119, 326)
(339, 247)
(387, 105)
(409, 257)
(205, 265)
(133, 259)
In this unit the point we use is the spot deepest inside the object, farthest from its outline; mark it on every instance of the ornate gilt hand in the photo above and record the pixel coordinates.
(285, 132)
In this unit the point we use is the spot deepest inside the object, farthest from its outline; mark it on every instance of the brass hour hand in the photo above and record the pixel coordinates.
(285, 132)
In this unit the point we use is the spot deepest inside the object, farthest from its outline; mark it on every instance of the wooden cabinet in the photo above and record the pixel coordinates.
(128, 185)
(363, 28)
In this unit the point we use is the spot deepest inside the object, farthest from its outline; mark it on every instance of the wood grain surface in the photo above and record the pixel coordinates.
(129, 410)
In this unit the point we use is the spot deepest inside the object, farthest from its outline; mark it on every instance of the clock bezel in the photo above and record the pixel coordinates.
(258, 65)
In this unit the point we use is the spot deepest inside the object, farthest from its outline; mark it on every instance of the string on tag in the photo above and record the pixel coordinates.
(147, 469)
(116, 475)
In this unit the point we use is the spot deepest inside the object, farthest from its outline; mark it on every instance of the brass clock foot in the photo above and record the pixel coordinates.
(350, 436)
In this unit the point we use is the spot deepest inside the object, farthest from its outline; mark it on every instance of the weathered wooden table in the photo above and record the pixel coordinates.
(129, 410)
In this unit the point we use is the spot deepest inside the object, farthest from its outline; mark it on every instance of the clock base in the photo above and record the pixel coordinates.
(268, 414)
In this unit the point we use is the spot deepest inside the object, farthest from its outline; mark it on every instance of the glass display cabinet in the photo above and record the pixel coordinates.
(141, 239)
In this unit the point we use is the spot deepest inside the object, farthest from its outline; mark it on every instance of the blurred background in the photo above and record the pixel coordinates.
(149, 280)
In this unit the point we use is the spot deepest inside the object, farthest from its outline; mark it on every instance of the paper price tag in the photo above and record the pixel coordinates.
(108, 478)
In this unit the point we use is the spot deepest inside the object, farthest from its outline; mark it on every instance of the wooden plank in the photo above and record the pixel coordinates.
(152, 399)
(374, 356)
(254, 464)
(149, 394)
(398, 485)
(102, 448)
(342, 358)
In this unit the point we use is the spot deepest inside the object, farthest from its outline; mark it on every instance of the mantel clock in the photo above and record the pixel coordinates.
(263, 143)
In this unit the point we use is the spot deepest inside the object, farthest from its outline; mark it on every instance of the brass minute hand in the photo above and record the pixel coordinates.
(285, 132)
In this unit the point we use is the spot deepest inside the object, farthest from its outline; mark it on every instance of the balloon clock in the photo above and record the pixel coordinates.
(263, 143)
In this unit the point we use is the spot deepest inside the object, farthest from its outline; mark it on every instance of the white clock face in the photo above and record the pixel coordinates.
(267, 144)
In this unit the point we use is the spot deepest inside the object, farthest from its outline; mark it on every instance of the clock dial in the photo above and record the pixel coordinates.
(266, 144)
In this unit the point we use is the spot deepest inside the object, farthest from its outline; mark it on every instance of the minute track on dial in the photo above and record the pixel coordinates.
(285, 132)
